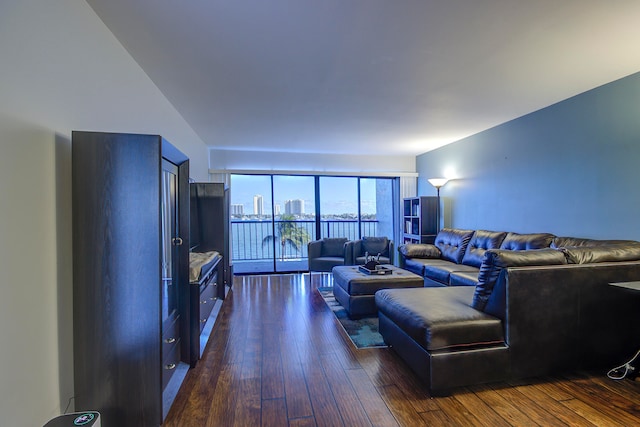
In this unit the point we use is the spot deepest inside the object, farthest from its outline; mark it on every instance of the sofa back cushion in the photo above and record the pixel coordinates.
(375, 246)
(522, 242)
(606, 253)
(453, 243)
(333, 246)
(564, 242)
(494, 266)
(479, 243)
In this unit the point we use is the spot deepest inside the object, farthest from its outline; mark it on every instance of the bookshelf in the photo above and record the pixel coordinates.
(420, 223)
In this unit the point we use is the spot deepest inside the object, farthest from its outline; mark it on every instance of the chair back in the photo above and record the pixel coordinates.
(375, 246)
(333, 246)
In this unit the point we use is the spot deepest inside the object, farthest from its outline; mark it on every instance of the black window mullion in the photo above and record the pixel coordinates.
(359, 212)
(317, 197)
(273, 225)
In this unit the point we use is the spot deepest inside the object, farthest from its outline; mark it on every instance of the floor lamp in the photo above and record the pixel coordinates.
(438, 182)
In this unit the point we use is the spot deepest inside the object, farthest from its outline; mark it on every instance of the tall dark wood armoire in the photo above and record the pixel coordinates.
(130, 275)
(210, 200)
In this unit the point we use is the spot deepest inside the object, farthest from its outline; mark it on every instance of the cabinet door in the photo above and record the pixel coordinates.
(170, 257)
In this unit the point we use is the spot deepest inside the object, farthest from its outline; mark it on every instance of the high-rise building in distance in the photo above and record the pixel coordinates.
(294, 207)
(258, 205)
(237, 209)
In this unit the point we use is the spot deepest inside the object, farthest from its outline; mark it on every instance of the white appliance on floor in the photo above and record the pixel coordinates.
(84, 419)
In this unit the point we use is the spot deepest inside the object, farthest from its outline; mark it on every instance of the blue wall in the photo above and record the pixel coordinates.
(572, 169)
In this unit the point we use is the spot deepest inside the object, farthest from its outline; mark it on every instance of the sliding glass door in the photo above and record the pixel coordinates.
(377, 207)
(273, 217)
(251, 223)
(294, 221)
(357, 207)
(339, 210)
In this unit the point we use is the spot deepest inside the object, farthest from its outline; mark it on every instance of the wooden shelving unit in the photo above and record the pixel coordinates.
(419, 221)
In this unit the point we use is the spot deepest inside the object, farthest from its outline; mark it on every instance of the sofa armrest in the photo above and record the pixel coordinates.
(419, 250)
(349, 253)
(314, 249)
(356, 246)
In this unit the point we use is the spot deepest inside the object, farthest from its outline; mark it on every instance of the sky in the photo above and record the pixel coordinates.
(338, 195)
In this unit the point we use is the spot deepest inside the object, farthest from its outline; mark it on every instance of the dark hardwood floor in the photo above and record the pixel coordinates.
(278, 357)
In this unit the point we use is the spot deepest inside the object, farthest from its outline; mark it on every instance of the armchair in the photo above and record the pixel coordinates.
(374, 246)
(326, 253)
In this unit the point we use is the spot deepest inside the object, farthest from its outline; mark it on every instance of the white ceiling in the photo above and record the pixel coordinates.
(378, 76)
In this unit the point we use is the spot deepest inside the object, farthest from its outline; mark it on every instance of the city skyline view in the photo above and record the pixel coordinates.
(291, 207)
(338, 195)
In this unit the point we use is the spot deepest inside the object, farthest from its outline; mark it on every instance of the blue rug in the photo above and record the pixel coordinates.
(363, 332)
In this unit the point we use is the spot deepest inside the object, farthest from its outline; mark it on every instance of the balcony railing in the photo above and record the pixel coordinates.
(249, 237)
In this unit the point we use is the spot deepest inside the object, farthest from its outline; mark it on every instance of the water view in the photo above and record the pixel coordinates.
(274, 217)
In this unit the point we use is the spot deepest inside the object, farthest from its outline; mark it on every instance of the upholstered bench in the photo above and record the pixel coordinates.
(355, 290)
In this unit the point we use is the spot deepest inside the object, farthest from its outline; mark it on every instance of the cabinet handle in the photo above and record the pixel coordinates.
(170, 340)
(203, 320)
(204, 301)
(212, 298)
(170, 366)
(177, 241)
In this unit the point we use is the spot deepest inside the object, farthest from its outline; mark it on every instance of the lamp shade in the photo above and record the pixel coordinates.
(437, 182)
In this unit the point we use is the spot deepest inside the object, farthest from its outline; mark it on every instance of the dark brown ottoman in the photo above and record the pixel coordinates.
(355, 290)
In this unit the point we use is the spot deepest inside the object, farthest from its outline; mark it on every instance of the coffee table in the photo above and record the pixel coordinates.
(355, 290)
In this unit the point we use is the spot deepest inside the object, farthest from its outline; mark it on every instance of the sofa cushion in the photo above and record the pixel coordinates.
(442, 271)
(496, 260)
(414, 265)
(417, 265)
(440, 318)
(333, 247)
(464, 278)
(375, 245)
(419, 250)
(609, 253)
(453, 243)
(326, 263)
(479, 243)
(521, 242)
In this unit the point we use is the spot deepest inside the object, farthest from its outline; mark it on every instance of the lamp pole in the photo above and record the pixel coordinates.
(438, 183)
(438, 209)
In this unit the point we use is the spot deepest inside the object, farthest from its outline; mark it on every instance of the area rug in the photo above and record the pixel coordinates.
(363, 332)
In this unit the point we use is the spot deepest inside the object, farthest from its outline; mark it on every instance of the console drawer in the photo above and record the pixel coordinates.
(170, 362)
(207, 301)
(170, 335)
